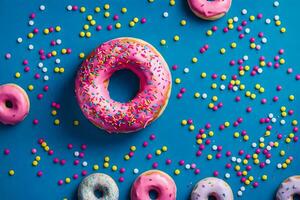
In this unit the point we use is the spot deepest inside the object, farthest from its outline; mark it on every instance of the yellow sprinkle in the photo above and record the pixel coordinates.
(209, 32)
(114, 168)
(67, 180)
(118, 25)
(106, 14)
(124, 10)
(177, 80)
(164, 148)
(35, 163)
(191, 127)
(75, 122)
(184, 122)
(96, 167)
(57, 28)
(209, 157)
(97, 9)
(177, 172)
(163, 42)
(30, 87)
(106, 158)
(82, 9)
(172, 2)
(106, 165)
(291, 97)
(37, 158)
(183, 22)
(88, 34)
(56, 122)
(158, 152)
(197, 95)
(11, 172)
(176, 38)
(106, 6)
(203, 75)
(17, 74)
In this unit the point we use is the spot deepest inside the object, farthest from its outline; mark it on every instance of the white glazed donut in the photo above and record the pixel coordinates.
(98, 182)
(289, 188)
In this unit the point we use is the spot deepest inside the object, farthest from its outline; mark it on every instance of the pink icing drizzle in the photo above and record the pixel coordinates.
(209, 8)
(92, 81)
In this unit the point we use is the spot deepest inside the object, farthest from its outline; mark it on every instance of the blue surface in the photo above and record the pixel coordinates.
(181, 144)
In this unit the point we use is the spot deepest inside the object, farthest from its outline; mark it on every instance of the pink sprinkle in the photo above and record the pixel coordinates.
(70, 146)
(179, 96)
(81, 155)
(40, 96)
(8, 56)
(6, 151)
(174, 67)
(152, 137)
(197, 171)
(122, 170)
(109, 27)
(218, 155)
(37, 76)
(143, 20)
(228, 153)
(116, 17)
(33, 151)
(181, 162)
(225, 30)
(255, 184)
(26, 69)
(76, 162)
(75, 8)
(259, 16)
(182, 90)
(50, 152)
(228, 165)
(216, 173)
(55, 160)
(98, 28)
(51, 29)
(168, 161)
(121, 179)
(63, 162)
(60, 182)
(39, 173)
(145, 144)
(32, 16)
(149, 156)
(75, 176)
(35, 30)
(290, 70)
(264, 101)
(276, 98)
(35, 121)
(84, 173)
(40, 141)
(249, 109)
(25, 62)
(83, 147)
(131, 154)
(214, 28)
(155, 165)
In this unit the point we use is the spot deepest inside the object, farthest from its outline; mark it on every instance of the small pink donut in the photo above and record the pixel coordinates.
(210, 10)
(153, 180)
(93, 78)
(14, 104)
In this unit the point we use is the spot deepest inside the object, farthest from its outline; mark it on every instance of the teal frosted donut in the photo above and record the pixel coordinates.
(98, 183)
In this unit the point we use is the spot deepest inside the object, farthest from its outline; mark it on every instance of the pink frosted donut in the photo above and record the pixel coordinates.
(210, 10)
(93, 79)
(14, 104)
(153, 180)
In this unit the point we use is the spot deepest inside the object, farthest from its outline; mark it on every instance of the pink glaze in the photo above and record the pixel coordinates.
(93, 77)
(210, 9)
(155, 180)
(14, 104)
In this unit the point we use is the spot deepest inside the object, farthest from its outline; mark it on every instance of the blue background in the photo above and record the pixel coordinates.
(181, 143)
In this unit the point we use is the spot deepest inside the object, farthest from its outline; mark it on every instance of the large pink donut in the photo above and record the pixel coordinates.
(14, 104)
(210, 10)
(93, 78)
(155, 180)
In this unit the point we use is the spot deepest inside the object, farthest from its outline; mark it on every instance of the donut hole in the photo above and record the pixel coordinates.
(212, 197)
(99, 193)
(8, 104)
(296, 197)
(123, 85)
(153, 194)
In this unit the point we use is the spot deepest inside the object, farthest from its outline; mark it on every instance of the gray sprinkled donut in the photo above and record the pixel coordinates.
(212, 187)
(101, 183)
(288, 188)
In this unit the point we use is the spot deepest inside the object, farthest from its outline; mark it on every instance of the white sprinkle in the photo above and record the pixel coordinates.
(84, 163)
(165, 14)
(245, 57)
(30, 22)
(244, 11)
(44, 69)
(76, 153)
(30, 47)
(235, 88)
(268, 161)
(243, 188)
(186, 70)
(58, 41)
(19, 40)
(268, 21)
(261, 139)
(269, 147)
(57, 60)
(69, 7)
(273, 120)
(276, 17)
(42, 7)
(240, 193)
(204, 96)
(247, 30)
(135, 170)
(264, 40)
(235, 19)
(282, 122)
(227, 175)
(239, 160)
(233, 159)
(214, 147)
(222, 87)
(187, 166)
(260, 70)
(271, 115)
(279, 165)
(254, 145)
(40, 65)
(46, 78)
(276, 3)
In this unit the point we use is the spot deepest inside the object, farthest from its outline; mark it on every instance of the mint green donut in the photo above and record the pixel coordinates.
(98, 182)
